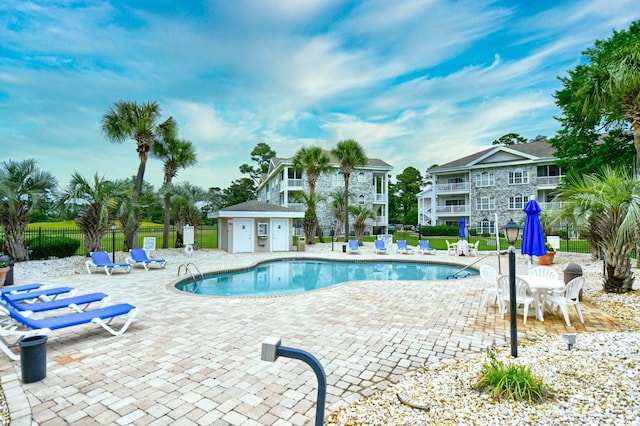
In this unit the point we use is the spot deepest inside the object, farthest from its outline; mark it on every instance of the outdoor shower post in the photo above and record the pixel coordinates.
(271, 350)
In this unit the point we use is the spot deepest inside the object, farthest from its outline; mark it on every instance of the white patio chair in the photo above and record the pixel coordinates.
(490, 277)
(522, 298)
(452, 248)
(569, 297)
(545, 272)
(473, 248)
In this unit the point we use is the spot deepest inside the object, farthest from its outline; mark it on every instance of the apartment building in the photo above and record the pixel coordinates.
(490, 187)
(369, 185)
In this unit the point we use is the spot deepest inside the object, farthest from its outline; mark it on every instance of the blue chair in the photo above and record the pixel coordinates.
(74, 303)
(425, 248)
(46, 294)
(379, 247)
(403, 248)
(354, 247)
(16, 324)
(101, 260)
(138, 256)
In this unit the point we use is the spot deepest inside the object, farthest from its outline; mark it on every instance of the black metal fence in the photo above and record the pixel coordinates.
(206, 237)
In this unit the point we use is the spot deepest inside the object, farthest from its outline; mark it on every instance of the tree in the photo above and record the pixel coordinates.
(314, 161)
(336, 198)
(509, 139)
(610, 202)
(604, 93)
(360, 216)
(97, 201)
(23, 188)
(350, 155)
(184, 204)
(310, 220)
(240, 190)
(261, 155)
(128, 120)
(408, 186)
(176, 154)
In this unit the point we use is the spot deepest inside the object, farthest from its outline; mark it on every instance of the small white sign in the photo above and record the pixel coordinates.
(149, 244)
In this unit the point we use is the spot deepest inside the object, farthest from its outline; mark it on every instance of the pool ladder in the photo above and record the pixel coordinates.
(187, 270)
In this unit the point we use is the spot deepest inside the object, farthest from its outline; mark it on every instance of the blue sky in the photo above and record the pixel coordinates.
(416, 82)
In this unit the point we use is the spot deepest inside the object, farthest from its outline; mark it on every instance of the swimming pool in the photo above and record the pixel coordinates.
(289, 276)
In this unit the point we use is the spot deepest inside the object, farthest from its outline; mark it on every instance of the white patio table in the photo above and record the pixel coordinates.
(541, 286)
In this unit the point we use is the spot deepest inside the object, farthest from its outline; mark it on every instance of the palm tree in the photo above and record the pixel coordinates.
(97, 201)
(314, 161)
(23, 188)
(176, 154)
(361, 214)
(350, 155)
(139, 122)
(310, 220)
(338, 209)
(610, 201)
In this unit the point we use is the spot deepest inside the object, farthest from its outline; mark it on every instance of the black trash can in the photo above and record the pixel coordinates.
(573, 270)
(344, 248)
(33, 358)
(9, 278)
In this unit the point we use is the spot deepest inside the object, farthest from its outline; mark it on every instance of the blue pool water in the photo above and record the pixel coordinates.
(296, 275)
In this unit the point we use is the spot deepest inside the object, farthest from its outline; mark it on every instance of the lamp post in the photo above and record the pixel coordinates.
(511, 232)
(333, 233)
(113, 242)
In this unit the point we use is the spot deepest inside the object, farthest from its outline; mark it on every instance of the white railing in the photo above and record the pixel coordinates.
(299, 207)
(443, 188)
(550, 206)
(381, 197)
(549, 180)
(453, 210)
(295, 183)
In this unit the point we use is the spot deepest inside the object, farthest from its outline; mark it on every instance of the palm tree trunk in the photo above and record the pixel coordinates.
(167, 220)
(14, 234)
(346, 207)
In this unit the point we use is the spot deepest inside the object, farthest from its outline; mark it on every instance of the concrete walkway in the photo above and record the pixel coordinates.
(190, 359)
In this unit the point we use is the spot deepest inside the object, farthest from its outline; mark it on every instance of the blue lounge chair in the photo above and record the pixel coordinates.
(101, 260)
(77, 303)
(138, 256)
(425, 248)
(46, 294)
(379, 247)
(354, 247)
(19, 288)
(101, 316)
(403, 248)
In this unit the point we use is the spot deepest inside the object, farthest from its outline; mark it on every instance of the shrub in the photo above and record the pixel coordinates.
(440, 230)
(473, 232)
(44, 247)
(511, 381)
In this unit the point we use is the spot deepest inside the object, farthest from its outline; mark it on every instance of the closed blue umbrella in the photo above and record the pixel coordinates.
(461, 232)
(532, 236)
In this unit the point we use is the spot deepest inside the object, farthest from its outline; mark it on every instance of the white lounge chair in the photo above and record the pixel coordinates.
(101, 260)
(138, 256)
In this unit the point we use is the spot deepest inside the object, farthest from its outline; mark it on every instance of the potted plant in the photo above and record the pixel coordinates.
(547, 259)
(4, 269)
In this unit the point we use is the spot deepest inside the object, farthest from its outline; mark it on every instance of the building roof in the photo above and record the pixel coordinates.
(541, 150)
(255, 208)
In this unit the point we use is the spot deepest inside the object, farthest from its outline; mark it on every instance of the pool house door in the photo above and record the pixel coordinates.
(279, 234)
(243, 236)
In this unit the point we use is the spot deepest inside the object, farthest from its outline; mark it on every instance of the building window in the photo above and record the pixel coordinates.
(361, 177)
(485, 179)
(518, 202)
(338, 178)
(485, 226)
(485, 203)
(518, 177)
(361, 199)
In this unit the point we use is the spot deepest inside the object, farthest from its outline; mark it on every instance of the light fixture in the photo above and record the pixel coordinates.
(570, 340)
(511, 232)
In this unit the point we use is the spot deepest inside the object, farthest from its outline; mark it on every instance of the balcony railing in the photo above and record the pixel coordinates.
(380, 197)
(549, 180)
(550, 206)
(453, 188)
(299, 207)
(454, 210)
(295, 183)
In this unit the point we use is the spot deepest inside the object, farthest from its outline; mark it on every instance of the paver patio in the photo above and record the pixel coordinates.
(190, 359)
